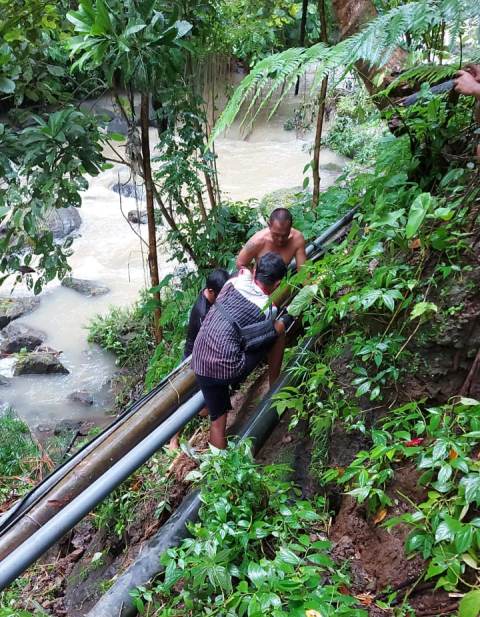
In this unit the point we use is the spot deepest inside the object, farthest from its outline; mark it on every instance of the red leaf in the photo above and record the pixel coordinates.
(414, 442)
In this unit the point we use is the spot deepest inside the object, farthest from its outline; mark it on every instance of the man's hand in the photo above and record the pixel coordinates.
(467, 82)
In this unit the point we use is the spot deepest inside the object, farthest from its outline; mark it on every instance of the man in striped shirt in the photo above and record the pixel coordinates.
(218, 357)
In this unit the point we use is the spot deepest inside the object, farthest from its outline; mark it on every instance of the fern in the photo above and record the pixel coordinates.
(374, 45)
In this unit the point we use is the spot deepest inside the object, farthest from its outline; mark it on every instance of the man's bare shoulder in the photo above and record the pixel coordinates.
(257, 240)
(297, 237)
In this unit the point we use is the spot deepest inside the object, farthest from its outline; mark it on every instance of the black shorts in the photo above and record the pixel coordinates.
(216, 392)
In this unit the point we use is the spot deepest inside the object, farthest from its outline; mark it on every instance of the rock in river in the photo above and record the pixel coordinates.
(17, 336)
(39, 363)
(12, 308)
(62, 221)
(137, 216)
(81, 396)
(85, 287)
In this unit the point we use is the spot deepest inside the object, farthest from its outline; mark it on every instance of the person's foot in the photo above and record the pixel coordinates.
(174, 443)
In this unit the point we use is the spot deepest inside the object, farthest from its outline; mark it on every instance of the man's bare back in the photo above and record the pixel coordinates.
(279, 237)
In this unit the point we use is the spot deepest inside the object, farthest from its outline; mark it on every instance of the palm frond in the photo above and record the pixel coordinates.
(374, 45)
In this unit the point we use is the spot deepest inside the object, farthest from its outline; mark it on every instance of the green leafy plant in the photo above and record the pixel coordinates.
(250, 554)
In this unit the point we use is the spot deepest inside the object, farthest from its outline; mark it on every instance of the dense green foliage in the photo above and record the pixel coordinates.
(18, 449)
(356, 128)
(253, 552)
(443, 442)
(378, 301)
(401, 25)
(43, 168)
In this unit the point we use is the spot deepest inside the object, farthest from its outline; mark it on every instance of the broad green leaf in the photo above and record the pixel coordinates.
(289, 556)
(471, 484)
(134, 29)
(470, 604)
(256, 573)
(414, 542)
(418, 211)
(423, 307)
(468, 402)
(302, 300)
(444, 213)
(7, 85)
(463, 539)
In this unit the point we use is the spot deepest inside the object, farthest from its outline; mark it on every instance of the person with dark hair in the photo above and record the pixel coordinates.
(279, 237)
(214, 283)
(219, 357)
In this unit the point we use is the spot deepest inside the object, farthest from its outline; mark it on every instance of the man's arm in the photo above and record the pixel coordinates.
(468, 84)
(300, 254)
(248, 254)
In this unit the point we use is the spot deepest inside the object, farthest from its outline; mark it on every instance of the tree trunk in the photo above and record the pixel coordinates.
(152, 234)
(210, 191)
(303, 27)
(201, 206)
(321, 111)
(351, 15)
(318, 140)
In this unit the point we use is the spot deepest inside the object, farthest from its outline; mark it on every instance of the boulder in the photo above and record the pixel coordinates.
(85, 287)
(67, 426)
(118, 125)
(39, 363)
(282, 198)
(129, 189)
(331, 167)
(12, 308)
(81, 396)
(137, 216)
(5, 382)
(63, 221)
(17, 336)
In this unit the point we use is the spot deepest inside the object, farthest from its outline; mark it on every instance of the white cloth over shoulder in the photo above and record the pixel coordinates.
(246, 286)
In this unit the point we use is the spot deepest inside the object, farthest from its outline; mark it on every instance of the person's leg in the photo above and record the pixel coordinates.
(217, 400)
(217, 432)
(275, 353)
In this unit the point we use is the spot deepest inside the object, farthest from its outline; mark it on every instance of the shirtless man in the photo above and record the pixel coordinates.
(279, 237)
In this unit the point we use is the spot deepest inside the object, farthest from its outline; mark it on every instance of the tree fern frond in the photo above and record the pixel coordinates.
(373, 45)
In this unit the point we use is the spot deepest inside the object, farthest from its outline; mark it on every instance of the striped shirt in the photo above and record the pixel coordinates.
(217, 351)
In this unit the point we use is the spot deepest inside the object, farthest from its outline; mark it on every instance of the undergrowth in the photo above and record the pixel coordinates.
(257, 550)
(377, 302)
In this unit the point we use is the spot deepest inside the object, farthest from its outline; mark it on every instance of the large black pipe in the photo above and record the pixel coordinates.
(117, 600)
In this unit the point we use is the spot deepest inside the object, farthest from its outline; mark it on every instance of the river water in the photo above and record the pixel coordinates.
(108, 251)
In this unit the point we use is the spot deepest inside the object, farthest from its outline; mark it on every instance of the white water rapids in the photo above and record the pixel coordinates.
(109, 252)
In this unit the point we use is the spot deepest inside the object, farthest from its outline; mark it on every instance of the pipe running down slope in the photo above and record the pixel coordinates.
(74, 489)
(117, 600)
(8, 519)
